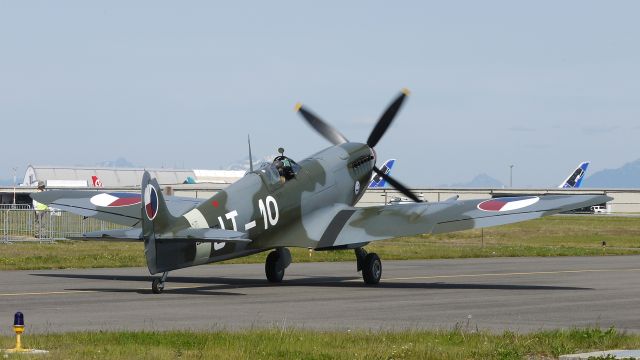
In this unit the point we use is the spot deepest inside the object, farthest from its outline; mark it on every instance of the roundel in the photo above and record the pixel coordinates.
(507, 203)
(115, 199)
(150, 202)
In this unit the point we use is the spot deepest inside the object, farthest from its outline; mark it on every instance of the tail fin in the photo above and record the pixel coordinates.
(156, 219)
(575, 178)
(376, 180)
(96, 182)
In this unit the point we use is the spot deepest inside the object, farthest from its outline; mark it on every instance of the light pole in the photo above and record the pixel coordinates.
(511, 176)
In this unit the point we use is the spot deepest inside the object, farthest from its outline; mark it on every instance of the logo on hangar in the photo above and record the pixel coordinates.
(507, 203)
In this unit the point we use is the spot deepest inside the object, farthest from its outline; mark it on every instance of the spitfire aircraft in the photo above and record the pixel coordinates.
(308, 204)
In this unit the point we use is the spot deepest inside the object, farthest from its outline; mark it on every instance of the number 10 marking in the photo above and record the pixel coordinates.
(269, 211)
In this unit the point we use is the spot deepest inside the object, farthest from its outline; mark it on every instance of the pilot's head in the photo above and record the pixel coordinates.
(279, 165)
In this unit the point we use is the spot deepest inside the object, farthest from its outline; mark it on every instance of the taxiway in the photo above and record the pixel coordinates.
(520, 294)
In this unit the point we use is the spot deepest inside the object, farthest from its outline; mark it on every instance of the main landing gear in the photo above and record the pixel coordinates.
(277, 261)
(370, 265)
(157, 286)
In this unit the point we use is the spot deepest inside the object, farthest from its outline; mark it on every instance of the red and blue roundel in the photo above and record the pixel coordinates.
(115, 199)
(508, 203)
(150, 202)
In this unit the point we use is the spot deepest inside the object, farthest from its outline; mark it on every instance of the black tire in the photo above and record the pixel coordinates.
(372, 269)
(157, 286)
(273, 268)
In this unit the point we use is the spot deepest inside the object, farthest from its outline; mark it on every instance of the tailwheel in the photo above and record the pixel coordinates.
(371, 269)
(277, 261)
(157, 286)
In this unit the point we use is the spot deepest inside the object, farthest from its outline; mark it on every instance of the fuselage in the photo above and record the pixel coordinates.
(271, 209)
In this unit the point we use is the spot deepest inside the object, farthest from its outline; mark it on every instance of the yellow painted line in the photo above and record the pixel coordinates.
(510, 274)
(50, 293)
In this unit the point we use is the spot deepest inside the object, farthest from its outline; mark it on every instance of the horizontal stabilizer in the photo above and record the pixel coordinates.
(206, 235)
(133, 234)
(199, 235)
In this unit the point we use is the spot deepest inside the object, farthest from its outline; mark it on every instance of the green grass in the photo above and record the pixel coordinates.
(307, 344)
(550, 236)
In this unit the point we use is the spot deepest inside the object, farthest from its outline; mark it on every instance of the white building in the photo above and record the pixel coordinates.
(78, 177)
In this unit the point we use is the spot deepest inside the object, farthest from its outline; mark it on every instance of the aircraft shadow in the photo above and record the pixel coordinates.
(218, 285)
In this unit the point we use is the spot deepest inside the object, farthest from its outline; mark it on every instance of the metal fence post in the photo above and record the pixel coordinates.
(5, 231)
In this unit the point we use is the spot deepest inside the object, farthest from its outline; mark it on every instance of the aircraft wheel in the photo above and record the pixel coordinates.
(273, 267)
(157, 286)
(372, 269)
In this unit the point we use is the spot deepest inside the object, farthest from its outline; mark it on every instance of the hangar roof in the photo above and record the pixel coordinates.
(61, 176)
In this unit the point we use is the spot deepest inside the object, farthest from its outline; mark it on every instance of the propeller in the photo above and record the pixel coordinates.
(387, 117)
(335, 137)
(329, 132)
(397, 185)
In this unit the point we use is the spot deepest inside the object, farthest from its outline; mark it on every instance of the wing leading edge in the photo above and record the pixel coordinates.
(355, 226)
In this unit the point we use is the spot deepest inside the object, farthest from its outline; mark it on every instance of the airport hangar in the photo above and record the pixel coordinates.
(204, 183)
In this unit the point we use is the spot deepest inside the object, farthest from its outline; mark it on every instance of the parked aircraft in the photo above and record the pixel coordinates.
(286, 203)
(376, 180)
(96, 182)
(574, 180)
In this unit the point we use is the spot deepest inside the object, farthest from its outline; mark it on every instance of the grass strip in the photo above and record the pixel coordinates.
(550, 236)
(306, 344)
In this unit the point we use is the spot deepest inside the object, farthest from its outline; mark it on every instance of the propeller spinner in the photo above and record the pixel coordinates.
(335, 137)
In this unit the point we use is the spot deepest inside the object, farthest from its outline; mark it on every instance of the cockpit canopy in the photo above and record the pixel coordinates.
(281, 170)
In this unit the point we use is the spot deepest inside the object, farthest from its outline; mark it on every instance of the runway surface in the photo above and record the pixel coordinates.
(521, 294)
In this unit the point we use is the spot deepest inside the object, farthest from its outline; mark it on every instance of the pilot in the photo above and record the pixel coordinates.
(281, 171)
(285, 168)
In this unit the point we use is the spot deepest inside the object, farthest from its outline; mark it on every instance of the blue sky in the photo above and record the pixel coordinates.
(542, 85)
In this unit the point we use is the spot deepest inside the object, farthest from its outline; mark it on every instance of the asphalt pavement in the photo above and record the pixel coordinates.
(520, 294)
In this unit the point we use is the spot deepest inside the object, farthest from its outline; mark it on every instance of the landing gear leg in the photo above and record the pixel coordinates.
(277, 261)
(157, 286)
(360, 255)
(370, 265)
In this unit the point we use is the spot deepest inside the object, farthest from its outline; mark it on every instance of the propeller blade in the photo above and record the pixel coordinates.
(386, 119)
(326, 130)
(397, 185)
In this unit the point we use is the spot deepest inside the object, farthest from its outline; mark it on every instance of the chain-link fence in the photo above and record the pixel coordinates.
(26, 224)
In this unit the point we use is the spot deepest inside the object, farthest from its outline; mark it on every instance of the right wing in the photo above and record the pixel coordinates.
(118, 207)
(352, 227)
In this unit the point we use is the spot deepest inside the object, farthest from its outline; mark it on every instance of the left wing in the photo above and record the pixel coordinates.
(118, 207)
(350, 227)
